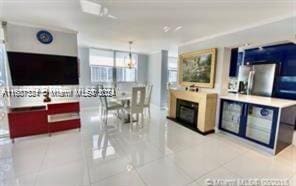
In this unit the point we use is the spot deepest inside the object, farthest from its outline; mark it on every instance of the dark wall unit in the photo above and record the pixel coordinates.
(284, 55)
(42, 69)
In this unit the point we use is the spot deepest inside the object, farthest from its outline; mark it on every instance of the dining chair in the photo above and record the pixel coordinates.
(108, 106)
(148, 97)
(137, 103)
(100, 86)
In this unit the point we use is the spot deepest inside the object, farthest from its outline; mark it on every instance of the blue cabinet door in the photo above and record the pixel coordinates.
(260, 124)
(231, 116)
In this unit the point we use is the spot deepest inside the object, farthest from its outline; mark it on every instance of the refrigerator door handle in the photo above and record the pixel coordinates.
(250, 81)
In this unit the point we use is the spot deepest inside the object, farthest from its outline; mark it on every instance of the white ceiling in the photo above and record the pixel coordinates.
(143, 20)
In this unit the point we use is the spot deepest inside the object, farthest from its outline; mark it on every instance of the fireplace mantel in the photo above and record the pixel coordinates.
(206, 112)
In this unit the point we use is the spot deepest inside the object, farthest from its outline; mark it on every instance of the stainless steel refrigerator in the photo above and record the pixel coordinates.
(260, 78)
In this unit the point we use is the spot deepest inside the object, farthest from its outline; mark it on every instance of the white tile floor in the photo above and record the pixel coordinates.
(162, 153)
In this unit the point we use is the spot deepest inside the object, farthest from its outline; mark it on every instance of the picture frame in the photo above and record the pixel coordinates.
(198, 68)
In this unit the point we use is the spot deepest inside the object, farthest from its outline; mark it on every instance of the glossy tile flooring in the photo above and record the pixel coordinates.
(161, 153)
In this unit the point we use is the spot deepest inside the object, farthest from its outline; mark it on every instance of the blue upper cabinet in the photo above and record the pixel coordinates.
(233, 63)
(284, 55)
(236, 59)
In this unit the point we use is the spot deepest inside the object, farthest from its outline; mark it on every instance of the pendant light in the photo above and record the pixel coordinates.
(130, 62)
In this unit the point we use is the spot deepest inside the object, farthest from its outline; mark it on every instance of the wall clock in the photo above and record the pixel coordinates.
(44, 37)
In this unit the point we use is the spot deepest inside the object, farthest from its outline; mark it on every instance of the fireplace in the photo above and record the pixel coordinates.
(187, 113)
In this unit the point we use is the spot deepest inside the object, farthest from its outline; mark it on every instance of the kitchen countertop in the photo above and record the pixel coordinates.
(260, 100)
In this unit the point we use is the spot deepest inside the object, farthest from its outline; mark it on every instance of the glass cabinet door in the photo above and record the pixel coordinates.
(261, 123)
(231, 114)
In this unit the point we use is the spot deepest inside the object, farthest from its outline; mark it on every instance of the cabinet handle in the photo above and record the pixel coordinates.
(245, 110)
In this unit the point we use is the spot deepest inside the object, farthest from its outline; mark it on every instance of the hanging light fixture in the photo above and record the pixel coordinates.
(130, 62)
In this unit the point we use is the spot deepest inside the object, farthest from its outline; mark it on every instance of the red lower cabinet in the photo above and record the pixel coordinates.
(63, 116)
(27, 123)
(54, 117)
(64, 125)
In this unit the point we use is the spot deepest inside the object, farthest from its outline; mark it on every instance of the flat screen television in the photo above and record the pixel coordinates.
(41, 69)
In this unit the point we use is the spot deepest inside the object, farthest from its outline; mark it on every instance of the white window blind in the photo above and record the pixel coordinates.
(101, 64)
(172, 69)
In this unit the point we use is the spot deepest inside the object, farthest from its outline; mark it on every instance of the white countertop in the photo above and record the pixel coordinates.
(260, 100)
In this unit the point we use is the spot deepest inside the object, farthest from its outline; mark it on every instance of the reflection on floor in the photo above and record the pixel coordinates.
(162, 153)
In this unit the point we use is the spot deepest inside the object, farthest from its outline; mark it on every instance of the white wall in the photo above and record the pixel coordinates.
(268, 33)
(21, 38)
(157, 76)
(282, 30)
(1, 33)
(154, 76)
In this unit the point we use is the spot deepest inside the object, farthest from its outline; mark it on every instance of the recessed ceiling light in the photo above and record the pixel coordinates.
(90, 7)
(112, 16)
(166, 28)
(178, 28)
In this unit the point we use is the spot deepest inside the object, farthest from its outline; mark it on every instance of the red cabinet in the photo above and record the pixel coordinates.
(62, 108)
(27, 121)
(63, 116)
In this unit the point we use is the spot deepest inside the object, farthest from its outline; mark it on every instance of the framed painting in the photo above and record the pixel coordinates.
(198, 68)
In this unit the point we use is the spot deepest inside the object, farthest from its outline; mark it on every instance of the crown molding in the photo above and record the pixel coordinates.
(260, 23)
(58, 29)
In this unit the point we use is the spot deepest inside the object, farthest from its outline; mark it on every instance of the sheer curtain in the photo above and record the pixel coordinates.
(101, 64)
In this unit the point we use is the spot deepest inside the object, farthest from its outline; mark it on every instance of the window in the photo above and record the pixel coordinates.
(102, 64)
(172, 69)
(123, 73)
(2, 66)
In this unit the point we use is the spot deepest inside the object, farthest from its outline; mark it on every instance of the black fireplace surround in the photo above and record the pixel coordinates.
(187, 113)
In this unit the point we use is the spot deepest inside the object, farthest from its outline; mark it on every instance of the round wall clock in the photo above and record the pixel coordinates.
(44, 37)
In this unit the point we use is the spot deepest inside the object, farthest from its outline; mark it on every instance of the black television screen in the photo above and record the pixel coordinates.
(42, 69)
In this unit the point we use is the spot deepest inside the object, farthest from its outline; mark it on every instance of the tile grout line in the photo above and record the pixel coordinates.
(85, 158)
(141, 178)
(43, 160)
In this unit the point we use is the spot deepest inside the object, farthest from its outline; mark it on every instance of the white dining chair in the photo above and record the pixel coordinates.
(137, 103)
(100, 86)
(108, 105)
(148, 98)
